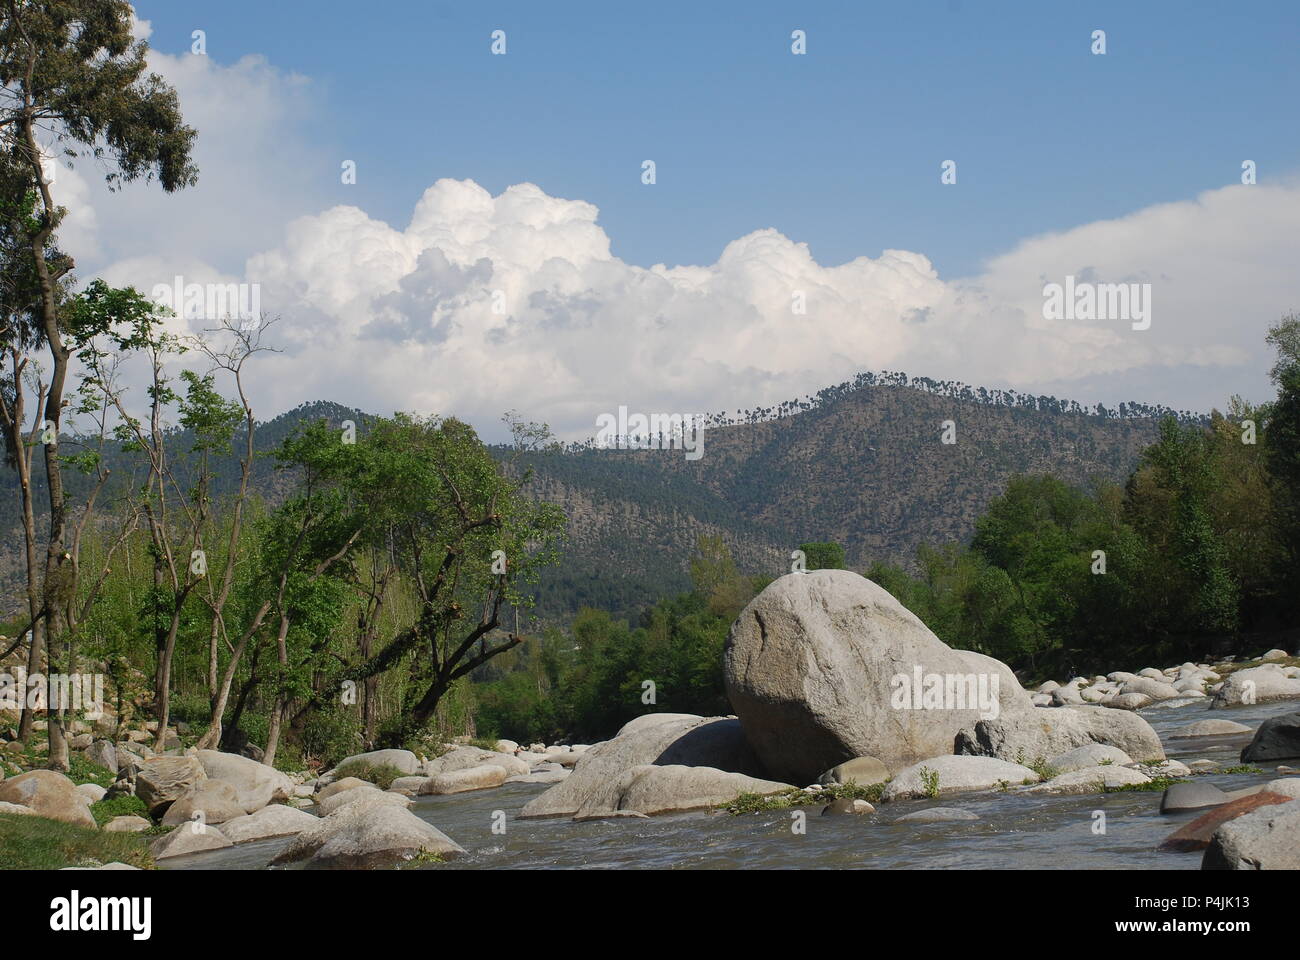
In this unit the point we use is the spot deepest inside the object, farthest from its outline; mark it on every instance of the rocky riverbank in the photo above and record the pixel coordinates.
(846, 704)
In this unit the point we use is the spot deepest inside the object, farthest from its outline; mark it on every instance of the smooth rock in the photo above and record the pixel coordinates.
(255, 783)
(93, 792)
(365, 837)
(209, 801)
(188, 838)
(864, 771)
(1090, 780)
(1256, 684)
(1278, 738)
(276, 820)
(369, 796)
(812, 667)
(1088, 755)
(1265, 839)
(1210, 728)
(48, 794)
(127, 824)
(461, 781)
(1193, 795)
(1197, 834)
(161, 781)
(1030, 735)
(464, 758)
(404, 760)
(654, 738)
(656, 789)
(956, 774)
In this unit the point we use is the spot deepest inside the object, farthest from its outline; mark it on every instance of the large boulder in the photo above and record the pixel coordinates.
(1026, 736)
(341, 786)
(1088, 755)
(464, 758)
(1265, 839)
(820, 668)
(652, 789)
(1210, 728)
(654, 738)
(1278, 738)
(365, 797)
(404, 760)
(863, 771)
(188, 838)
(365, 837)
(1197, 834)
(940, 776)
(1155, 689)
(1255, 685)
(461, 781)
(256, 784)
(276, 820)
(48, 794)
(103, 753)
(209, 801)
(1096, 779)
(161, 781)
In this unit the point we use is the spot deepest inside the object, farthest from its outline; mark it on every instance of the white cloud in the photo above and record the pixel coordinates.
(402, 319)
(385, 317)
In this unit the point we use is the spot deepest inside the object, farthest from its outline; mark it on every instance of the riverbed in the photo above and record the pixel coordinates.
(1015, 831)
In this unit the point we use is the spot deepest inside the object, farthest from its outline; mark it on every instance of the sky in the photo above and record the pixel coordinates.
(499, 248)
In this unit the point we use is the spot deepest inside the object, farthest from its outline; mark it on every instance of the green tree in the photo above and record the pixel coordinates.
(823, 556)
(71, 69)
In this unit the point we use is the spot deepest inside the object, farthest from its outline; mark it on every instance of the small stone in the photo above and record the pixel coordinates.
(1193, 795)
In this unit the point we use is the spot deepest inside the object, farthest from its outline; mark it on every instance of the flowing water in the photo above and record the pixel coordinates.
(1014, 830)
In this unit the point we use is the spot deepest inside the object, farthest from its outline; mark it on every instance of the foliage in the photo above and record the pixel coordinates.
(120, 806)
(35, 843)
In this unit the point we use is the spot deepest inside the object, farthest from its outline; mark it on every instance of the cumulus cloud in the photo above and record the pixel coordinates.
(483, 304)
(487, 303)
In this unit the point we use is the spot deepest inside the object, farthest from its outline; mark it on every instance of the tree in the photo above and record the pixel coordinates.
(464, 535)
(823, 556)
(1282, 451)
(71, 69)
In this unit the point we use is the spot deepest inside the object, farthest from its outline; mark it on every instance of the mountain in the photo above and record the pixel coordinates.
(863, 464)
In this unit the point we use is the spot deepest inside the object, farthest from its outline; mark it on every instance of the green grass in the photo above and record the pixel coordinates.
(381, 775)
(35, 843)
(1156, 784)
(1240, 768)
(757, 803)
(124, 806)
(80, 770)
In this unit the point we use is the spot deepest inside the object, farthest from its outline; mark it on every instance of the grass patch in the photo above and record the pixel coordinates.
(124, 806)
(929, 782)
(35, 843)
(1239, 768)
(381, 775)
(422, 860)
(1156, 783)
(1231, 668)
(794, 797)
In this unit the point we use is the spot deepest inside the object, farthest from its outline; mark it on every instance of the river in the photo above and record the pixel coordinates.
(1014, 831)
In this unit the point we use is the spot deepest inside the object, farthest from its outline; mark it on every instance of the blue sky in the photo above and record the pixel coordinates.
(499, 251)
(839, 148)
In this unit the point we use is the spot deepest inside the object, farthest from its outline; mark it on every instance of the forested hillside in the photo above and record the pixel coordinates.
(862, 464)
